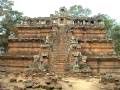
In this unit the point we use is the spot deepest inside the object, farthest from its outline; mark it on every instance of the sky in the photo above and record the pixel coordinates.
(42, 8)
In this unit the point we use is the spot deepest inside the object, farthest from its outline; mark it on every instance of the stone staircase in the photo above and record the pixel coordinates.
(60, 51)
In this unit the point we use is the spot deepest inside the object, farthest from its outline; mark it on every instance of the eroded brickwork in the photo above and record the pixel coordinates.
(62, 41)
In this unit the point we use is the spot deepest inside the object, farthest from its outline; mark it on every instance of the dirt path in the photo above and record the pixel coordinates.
(83, 84)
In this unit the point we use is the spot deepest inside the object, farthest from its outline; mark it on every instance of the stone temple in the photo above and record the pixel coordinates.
(61, 44)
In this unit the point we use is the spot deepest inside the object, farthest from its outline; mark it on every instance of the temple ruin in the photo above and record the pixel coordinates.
(61, 44)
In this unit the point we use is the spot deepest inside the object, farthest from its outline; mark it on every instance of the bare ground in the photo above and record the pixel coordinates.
(70, 83)
(83, 84)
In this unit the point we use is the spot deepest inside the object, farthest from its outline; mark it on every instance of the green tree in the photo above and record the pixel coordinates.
(78, 10)
(116, 37)
(113, 31)
(109, 23)
(10, 18)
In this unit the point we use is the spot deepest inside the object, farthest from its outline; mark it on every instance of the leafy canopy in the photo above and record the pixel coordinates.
(11, 17)
(78, 10)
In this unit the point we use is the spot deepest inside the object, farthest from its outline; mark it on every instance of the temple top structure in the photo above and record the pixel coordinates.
(62, 17)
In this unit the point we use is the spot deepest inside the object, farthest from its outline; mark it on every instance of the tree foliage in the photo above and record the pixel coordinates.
(113, 31)
(78, 10)
(116, 37)
(109, 24)
(10, 19)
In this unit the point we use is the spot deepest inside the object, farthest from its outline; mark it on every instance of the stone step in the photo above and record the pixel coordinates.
(60, 64)
(59, 53)
(58, 67)
(59, 59)
(60, 56)
(59, 70)
(57, 62)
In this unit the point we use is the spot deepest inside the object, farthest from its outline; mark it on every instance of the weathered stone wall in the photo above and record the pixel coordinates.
(33, 33)
(98, 65)
(105, 64)
(61, 41)
(26, 51)
(15, 63)
(89, 33)
(29, 41)
(93, 41)
(96, 48)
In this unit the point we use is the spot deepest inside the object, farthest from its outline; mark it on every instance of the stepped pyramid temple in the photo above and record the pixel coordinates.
(61, 44)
